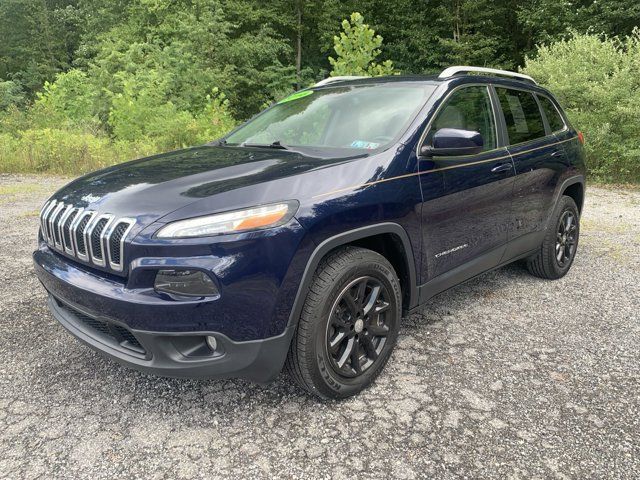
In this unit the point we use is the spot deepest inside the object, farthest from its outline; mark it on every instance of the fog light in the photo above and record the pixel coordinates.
(186, 283)
(212, 342)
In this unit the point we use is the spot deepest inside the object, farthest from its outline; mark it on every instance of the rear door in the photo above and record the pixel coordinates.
(471, 219)
(539, 161)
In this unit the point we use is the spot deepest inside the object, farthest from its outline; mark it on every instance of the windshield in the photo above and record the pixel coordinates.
(364, 117)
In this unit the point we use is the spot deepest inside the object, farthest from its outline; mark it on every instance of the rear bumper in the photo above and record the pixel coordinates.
(174, 354)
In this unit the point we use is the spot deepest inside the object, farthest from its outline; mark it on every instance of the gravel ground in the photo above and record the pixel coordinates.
(507, 376)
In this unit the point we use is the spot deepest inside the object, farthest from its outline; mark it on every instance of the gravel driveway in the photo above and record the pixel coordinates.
(507, 376)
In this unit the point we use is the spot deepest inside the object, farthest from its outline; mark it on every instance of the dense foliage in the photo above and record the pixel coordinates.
(86, 83)
(598, 83)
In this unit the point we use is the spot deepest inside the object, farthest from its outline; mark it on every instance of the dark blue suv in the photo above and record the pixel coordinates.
(304, 236)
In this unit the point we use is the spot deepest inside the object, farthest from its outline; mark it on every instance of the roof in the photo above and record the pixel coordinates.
(447, 74)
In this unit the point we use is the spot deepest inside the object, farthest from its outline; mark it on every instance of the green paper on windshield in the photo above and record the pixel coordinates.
(296, 96)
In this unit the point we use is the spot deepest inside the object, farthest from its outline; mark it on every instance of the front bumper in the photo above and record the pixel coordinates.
(256, 274)
(142, 330)
(174, 354)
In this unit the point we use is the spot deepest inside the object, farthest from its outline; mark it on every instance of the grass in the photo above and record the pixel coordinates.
(20, 188)
(62, 152)
(9, 193)
(30, 213)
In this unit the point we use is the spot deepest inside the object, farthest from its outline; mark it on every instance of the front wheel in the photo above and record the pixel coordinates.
(556, 254)
(349, 324)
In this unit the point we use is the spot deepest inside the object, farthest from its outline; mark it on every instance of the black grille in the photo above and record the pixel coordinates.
(80, 244)
(111, 331)
(95, 238)
(127, 337)
(98, 325)
(66, 232)
(114, 241)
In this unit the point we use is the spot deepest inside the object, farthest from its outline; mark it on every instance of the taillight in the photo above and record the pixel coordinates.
(581, 137)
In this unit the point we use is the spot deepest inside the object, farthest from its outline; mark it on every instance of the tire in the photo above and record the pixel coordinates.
(335, 293)
(547, 262)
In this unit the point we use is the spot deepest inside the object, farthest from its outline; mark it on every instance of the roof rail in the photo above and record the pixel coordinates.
(452, 71)
(328, 80)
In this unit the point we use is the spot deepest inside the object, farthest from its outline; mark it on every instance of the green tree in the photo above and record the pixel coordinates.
(134, 74)
(357, 48)
(612, 17)
(11, 94)
(39, 38)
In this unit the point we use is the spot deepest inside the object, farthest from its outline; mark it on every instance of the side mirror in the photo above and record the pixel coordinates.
(453, 142)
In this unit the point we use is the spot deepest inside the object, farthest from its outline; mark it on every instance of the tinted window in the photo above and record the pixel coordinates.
(361, 117)
(551, 112)
(522, 115)
(468, 109)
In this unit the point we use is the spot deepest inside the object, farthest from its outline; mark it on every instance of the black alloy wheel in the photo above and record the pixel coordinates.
(349, 324)
(566, 238)
(560, 244)
(357, 329)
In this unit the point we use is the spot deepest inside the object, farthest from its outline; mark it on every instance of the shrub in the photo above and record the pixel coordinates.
(141, 113)
(61, 151)
(61, 134)
(596, 80)
(70, 99)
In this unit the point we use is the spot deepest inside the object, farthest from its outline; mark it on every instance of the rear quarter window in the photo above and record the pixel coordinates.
(554, 119)
(521, 114)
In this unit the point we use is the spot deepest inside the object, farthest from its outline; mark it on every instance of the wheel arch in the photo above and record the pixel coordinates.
(574, 187)
(389, 239)
(575, 190)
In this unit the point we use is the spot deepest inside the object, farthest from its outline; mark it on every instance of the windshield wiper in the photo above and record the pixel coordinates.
(217, 143)
(275, 144)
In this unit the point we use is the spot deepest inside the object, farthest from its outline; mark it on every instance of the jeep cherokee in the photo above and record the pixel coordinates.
(303, 237)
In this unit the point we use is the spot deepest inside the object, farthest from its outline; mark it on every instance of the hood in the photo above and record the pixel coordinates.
(155, 186)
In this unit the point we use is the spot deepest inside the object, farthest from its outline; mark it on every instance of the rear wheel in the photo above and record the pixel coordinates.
(349, 324)
(558, 250)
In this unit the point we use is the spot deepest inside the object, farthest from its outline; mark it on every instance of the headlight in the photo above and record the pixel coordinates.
(256, 218)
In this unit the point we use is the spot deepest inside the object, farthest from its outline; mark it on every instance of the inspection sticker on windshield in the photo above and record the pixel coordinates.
(364, 144)
(296, 96)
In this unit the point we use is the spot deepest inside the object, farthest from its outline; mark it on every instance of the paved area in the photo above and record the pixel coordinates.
(507, 376)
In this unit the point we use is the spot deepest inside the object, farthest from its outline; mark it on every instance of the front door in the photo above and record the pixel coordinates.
(466, 228)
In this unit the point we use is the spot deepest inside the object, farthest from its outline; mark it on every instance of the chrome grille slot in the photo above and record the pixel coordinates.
(95, 238)
(85, 235)
(96, 248)
(67, 241)
(62, 218)
(79, 235)
(55, 225)
(43, 219)
(115, 242)
(50, 224)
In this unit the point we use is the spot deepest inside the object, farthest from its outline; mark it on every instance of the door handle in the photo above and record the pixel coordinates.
(501, 168)
(556, 153)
